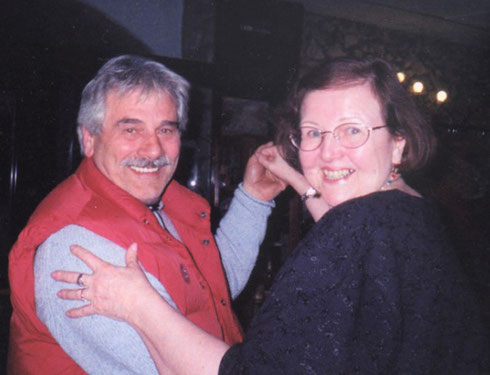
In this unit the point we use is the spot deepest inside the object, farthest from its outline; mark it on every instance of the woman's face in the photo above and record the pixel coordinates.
(341, 173)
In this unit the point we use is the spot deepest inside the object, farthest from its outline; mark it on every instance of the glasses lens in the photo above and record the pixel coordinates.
(352, 135)
(311, 138)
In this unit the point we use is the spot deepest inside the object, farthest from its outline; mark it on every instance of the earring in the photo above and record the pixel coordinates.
(394, 175)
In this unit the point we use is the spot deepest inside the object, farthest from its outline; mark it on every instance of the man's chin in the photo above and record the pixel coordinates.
(149, 198)
(150, 201)
(148, 194)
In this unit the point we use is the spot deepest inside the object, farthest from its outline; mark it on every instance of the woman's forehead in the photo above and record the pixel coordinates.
(338, 101)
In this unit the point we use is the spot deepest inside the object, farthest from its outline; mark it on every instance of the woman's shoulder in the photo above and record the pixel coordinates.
(384, 211)
(379, 204)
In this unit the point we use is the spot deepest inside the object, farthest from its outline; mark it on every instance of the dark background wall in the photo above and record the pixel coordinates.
(441, 49)
(52, 48)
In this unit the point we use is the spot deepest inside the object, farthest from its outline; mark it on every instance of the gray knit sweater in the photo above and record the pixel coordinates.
(101, 345)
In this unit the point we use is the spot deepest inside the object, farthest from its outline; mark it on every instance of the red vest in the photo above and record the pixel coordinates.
(191, 273)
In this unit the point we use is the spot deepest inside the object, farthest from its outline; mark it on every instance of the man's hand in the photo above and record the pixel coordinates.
(259, 181)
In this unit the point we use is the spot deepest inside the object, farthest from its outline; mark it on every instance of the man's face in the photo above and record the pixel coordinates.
(139, 145)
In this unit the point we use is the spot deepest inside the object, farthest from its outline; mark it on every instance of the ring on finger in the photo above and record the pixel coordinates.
(79, 279)
(81, 295)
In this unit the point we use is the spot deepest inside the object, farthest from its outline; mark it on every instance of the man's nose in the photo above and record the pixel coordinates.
(151, 146)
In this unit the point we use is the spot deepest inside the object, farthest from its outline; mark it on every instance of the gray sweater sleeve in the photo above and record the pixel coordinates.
(239, 236)
(98, 344)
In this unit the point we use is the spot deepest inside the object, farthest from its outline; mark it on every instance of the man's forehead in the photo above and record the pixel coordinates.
(118, 104)
(140, 93)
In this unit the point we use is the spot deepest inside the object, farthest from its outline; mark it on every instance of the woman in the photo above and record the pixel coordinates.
(374, 286)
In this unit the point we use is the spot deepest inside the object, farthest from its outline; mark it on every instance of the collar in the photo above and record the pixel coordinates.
(156, 206)
(180, 203)
(106, 190)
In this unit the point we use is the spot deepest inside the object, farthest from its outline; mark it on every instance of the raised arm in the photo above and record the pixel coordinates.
(242, 229)
(239, 236)
(270, 157)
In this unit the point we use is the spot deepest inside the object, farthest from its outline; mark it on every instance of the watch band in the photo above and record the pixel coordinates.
(311, 192)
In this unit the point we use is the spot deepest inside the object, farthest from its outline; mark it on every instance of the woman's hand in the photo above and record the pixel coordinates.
(270, 157)
(113, 291)
(259, 181)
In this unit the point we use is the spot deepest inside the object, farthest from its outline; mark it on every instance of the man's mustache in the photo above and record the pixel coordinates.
(160, 162)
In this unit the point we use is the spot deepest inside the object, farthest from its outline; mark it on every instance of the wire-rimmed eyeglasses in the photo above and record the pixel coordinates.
(349, 135)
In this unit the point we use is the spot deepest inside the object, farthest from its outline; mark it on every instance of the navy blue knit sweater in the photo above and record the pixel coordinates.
(374, 288)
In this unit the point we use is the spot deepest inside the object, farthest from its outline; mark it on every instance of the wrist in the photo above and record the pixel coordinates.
(139, 308)
(309, 193)
(254, 194)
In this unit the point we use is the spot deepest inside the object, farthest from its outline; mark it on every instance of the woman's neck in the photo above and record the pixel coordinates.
(401, 185)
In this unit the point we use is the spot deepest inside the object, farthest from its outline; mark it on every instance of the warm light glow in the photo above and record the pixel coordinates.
(401, 76)
(441, 96)
(418, 87)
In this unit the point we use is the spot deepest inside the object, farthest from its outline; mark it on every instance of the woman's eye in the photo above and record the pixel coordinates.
(353, 130)
(314, 134)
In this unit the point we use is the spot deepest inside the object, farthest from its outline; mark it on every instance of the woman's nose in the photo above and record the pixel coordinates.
(330, 148)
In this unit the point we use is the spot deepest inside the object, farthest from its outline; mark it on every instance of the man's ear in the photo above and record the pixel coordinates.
(399, 146)
(88, 143)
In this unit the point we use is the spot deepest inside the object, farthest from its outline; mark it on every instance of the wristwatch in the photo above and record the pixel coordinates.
(311, 192)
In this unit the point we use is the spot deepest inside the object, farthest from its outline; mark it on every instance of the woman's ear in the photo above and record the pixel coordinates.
(399, 146)
(88, 143)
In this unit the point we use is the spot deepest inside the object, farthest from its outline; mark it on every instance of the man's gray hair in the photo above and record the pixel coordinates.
(125, 74)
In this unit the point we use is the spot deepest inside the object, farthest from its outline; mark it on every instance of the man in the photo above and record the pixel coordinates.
(129, 125)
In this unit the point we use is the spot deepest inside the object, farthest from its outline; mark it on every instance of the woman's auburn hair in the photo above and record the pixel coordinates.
(401, 115)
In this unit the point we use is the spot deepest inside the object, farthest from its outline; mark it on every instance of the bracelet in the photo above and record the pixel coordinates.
(311, 192)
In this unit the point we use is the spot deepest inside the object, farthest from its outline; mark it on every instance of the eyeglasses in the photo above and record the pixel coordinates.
(347, 135)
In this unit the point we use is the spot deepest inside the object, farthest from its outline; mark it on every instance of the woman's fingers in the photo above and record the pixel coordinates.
(111, 290)
(90, 259)
(67, 276)
(81, 311)
(73, 294)
(132, 255)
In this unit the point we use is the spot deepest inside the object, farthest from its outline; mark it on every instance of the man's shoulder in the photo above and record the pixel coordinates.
(56, 248)
(175, 189)
(61, 207)
(180, 201)
(66, 199)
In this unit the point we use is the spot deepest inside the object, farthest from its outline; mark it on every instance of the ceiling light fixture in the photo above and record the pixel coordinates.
(441, 96)
(418, 87)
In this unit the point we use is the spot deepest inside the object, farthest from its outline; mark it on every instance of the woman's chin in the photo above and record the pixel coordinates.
(336, 199)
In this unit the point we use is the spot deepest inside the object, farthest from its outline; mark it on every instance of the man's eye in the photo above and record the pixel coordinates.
(130, 130)
(167, 131)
